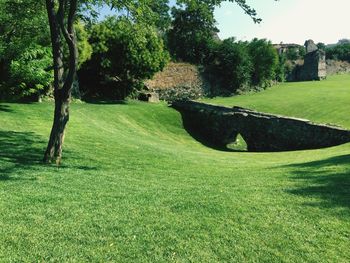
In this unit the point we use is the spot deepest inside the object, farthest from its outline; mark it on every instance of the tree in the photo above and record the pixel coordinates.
(321, 46)
(157, 14)
(192, 32)
(265, 62)
(24, 45)
(30, 74)
(61, 17)
(231, 64)
(193, 28)
(25, 49)
(125, 54)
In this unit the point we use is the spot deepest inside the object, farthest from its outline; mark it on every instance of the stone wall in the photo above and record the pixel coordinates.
(337, 67)
(218, 126)
(178, 81)
(314, 66)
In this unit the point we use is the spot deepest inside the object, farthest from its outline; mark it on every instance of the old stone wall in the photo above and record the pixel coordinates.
(178, 81)
(337, 67)
(314, 66)
(218, 126)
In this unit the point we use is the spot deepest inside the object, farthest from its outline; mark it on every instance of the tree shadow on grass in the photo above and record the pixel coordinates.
(5, 108)
(21, 152)
(18, 151)
(327, 179)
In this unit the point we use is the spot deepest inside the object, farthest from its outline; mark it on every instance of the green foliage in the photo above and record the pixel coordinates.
(211, 4)
(31, 73)
(156, 12)
(242, 66)
(125, 54)
(23, 23)
(282, 68)
(292, 53)
(151, 12)
(192, 38)
(84, 47)
(321, 46)
(302, 51)
(339, 52)
(265, 62)
(193, 29)
(230, 65)
(24, 48)
(192, 32)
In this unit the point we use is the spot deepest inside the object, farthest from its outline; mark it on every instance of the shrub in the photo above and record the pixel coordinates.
(229, 65)
(30, 74)
(124, 55)
(265, 62)
(339, 52)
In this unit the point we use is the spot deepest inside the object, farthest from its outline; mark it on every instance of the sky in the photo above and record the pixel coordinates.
(287, 21)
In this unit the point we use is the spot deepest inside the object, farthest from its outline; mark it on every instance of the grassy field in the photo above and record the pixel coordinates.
(135, 187)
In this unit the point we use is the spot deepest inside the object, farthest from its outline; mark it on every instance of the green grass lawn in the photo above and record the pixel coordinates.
(135, 187)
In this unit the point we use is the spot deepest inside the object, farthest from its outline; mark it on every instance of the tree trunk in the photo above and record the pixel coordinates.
(62, 81)
(61, 118)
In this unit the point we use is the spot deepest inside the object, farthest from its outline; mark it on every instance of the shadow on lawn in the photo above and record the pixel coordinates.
(23, 151)
(18, 151)
(324, 179)
(5, 108)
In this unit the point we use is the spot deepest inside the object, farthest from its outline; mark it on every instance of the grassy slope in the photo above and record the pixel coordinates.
(135, 187)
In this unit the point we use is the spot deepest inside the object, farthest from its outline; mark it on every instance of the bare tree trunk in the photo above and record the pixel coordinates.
(61, 118)
(59, 26)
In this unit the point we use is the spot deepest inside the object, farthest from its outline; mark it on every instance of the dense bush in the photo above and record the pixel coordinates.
(265, 62)
(339, 52)
(229, 65)
(241, 66)
(30, 74)
(124, 55)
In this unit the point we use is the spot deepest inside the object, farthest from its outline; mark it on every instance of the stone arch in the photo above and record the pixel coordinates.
(217, 126)
(239, 144)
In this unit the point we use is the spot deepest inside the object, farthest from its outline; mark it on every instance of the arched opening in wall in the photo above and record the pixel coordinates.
(238, 145)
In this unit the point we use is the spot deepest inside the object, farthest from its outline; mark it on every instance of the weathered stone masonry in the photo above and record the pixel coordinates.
(219, 126)
(314, 66)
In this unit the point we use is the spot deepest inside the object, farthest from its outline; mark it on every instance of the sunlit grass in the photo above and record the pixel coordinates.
(135, 187)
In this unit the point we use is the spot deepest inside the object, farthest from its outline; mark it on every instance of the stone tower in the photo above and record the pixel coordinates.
(314, 67)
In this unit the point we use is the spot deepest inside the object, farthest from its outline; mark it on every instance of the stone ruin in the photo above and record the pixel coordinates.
(177, 81)
(314, 66)
(148, 96)
(218, 126)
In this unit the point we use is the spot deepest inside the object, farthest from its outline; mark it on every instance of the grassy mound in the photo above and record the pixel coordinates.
(135, 187)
